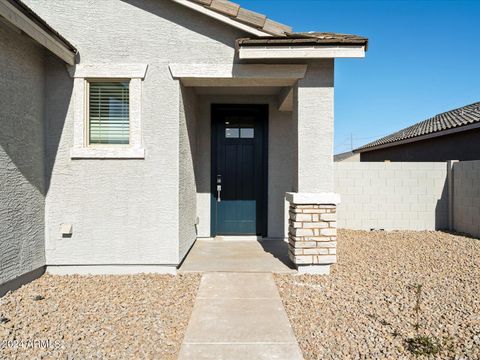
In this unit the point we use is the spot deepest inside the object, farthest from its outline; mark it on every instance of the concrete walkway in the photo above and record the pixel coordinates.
(239, 316)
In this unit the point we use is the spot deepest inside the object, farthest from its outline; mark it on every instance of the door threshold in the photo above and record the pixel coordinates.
(241, 238)
(237, 238)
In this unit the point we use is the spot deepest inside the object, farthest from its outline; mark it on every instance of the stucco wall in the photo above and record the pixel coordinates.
(22, 184)
(281, 160)
(392, 196)
(460, 146)
(124, 211)
(313, 112)
(187, 184)
(466, 204)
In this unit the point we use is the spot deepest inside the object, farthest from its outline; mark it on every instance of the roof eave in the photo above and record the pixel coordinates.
(301, 51)
(23, 18)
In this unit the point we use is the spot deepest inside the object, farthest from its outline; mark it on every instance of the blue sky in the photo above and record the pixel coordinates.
(423, 59)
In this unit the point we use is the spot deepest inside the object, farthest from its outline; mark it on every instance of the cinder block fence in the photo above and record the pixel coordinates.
(466, 197)
(409, 196)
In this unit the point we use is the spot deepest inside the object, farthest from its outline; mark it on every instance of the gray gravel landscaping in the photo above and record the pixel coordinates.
(393, 295)
(84, 317)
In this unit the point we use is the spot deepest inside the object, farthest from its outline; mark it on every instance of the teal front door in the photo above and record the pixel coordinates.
(239, 175)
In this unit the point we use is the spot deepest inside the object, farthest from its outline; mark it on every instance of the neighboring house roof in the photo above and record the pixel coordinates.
(461, 119)
(25, 19)
(303, 39)
(242, 15)
(343, 156)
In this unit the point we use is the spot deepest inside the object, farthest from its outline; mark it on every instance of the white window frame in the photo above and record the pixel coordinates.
(82, 74)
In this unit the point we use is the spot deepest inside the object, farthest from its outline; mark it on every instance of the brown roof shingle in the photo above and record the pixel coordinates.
(309, 38)
(282, 34)
(236, 12)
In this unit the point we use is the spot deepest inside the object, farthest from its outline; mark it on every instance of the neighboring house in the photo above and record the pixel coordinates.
(452, 135)
(167, 121)
(348, 156)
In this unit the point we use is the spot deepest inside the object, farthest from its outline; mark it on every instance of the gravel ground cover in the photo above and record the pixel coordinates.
(93, 317)
(393, 295)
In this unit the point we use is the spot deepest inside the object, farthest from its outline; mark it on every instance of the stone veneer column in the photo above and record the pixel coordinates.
(312, 234)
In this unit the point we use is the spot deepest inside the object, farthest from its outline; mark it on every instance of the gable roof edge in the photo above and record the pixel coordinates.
(222, 18)
(23, 18)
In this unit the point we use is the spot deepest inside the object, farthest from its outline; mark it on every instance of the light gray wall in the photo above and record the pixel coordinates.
(22, 177)
(187, 185)
(392, 196)
(281, 169)
(281, 160)
(313, 112)
(466, 204)
(124, 211)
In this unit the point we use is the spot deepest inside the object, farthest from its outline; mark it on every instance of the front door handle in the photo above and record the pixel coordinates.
(219, 188)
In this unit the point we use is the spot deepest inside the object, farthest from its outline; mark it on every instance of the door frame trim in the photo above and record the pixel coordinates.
(213, 162)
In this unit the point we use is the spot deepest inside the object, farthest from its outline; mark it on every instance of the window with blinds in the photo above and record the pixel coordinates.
(108, 113)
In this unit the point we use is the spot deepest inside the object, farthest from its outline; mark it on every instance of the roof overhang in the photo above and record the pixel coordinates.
(420, 138)
(301, 52)
(48, 39)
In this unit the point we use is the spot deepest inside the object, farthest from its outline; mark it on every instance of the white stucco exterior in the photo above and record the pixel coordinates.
(313, 114)
(144, 205)
(125, 211)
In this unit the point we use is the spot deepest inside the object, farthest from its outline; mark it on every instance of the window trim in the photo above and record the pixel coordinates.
(82, 74)
(86, 135)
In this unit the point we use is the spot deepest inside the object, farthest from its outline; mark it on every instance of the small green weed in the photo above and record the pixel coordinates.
(423, 345)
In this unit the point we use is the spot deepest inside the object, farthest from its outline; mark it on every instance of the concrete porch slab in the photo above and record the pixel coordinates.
(238, 256)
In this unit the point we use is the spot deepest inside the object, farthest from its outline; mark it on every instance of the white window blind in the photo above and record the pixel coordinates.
(108, 119)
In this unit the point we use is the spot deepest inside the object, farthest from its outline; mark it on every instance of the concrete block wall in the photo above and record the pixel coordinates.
(392, 196)
(466, 197)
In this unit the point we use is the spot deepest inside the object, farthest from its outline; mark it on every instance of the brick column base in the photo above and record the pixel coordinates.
(312, 236)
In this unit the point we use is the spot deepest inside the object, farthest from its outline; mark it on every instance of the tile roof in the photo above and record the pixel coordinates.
(309, 38)
(457, 118)
(238, 13)
(282, 34)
